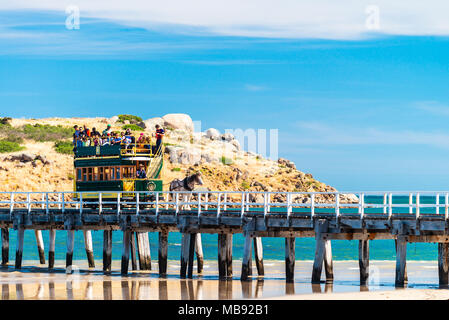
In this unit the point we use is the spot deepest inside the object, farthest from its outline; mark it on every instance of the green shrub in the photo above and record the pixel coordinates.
(245, 185)
(8, 146)
(14, 138)
(176, 169)
(46, 132)
(225, 160)
(131, 118)
(5, 121)
(133, 127)
(64, 147)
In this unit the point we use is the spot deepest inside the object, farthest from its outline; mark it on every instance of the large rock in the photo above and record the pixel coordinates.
(151, 123)
(227, 137)
(209, 158)
(114, 119)
(287, 163)
(213, 134)
(189, 156)
(236, 144)
(178, 121)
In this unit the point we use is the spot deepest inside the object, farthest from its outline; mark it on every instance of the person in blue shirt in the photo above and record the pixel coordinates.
(141, 174)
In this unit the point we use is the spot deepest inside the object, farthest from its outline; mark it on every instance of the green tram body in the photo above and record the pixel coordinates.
(111, 168)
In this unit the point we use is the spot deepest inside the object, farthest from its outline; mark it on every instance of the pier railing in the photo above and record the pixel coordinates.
(354, 204)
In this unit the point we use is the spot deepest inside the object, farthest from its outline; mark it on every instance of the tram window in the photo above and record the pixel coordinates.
(117, 170)
(112, 173)
(106, 173)
(89, 174)
(96, 174)
(84, 174)
(78, 175)
(101, 170)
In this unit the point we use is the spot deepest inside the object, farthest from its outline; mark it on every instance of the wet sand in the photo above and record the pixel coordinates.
(33, 282)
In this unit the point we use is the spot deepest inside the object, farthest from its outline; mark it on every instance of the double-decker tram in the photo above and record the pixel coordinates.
(113, 169)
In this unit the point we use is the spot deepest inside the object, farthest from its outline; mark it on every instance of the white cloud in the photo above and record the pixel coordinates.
(326, 19)
(316, 133)
(433, 107)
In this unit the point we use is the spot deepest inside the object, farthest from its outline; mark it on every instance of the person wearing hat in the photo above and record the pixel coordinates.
(107, 130)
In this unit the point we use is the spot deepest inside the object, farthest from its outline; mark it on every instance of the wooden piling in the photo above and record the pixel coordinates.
(40, 245)
(185, 246)
(199, 253)
(125, 251)
(401, 257)
(320, 227)
(229, 254)
(290, 259)
(162, 254)
(258, 255)
(107, 250)
(246, 262)
(51, 248)
(70, 247)
(191, 255)
(5, 246)
(19, 248)
(328, 265)
(222, 265)
(89, 248)
(364, 261)
(133, 249)
(443, 263)
(143, 249)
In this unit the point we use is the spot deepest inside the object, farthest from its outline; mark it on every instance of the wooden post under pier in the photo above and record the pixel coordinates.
(192, 243)
(5, 246)
(185, 245)
(133, 251)
(51, 248)
(125, 251)
(199, 253)
(323, 253)
(162, 254)
(222, 257)
(401, 258)
(443, 263)
(19, 248)
(364, 261)
(107, 250)
(40, 245)
(290, 259)
(229, 254)
(258, 255)
(246, 262)
(143, 249)
(70, 247)
(89, 248)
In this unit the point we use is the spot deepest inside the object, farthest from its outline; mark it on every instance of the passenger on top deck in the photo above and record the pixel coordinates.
(159, 135)
(86, 131)
(141, 174)
(94, 132)
(107, 130)
(76, 134)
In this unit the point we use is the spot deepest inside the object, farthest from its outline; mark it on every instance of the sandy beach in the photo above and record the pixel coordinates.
(37, 283)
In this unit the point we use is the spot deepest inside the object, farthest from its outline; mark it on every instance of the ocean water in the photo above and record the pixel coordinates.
(273, 247)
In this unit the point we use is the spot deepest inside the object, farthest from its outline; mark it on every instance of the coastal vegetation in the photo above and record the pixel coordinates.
(64, 147)
(9, 146)
(37, 132)
(129, 117)
(132, 127)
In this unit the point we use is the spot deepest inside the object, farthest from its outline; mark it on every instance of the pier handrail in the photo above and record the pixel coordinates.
(236, 202)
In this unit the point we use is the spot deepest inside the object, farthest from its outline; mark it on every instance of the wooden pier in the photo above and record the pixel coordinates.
(398, 216)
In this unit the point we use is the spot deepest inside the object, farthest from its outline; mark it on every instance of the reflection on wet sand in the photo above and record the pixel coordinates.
(35, 283)
(289, 288)
(5, 291)
(107, 290)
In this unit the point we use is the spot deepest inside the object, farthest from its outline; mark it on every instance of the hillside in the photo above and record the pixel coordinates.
(39, 167)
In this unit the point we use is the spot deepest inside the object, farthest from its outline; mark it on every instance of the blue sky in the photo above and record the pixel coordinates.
(360, 111)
